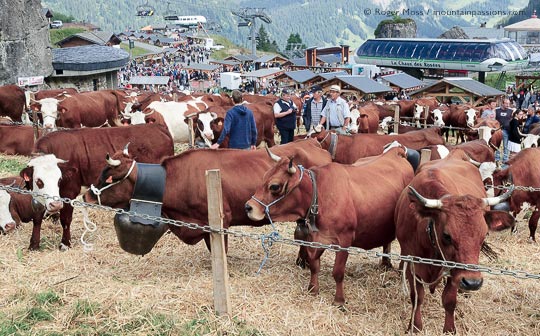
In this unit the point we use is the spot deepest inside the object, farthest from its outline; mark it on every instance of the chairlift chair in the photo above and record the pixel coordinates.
(145, 9)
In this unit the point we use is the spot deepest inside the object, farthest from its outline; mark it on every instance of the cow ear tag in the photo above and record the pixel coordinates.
(220, 123)
(109, 179)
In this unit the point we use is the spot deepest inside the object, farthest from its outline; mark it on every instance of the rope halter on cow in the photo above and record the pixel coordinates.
(98, 192)
(268, 240)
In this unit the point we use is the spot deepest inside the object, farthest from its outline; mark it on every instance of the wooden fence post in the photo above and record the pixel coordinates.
(426, 115)
(396, 119)
(425, 155)
(220, 271)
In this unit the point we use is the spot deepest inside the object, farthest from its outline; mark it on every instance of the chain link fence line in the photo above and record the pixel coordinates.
(277, 238)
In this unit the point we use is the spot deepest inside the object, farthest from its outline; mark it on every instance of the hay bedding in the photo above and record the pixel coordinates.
(125, 293)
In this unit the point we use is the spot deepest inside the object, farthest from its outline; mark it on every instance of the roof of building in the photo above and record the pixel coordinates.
(89, 58)
(96, 37)
(242, 58)
(298, 61)
(225, 62)
(403, 80)
(149, 80)
(483, 33)
(466, 84)
(363, 84)
(268, 58)
(330, 75)
(202, 66)
(300, 76)
(262, 72)
(532, 24)
(46, 12)
(330, 59)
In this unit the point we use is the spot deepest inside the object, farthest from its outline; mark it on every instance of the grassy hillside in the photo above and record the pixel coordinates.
(58, 35)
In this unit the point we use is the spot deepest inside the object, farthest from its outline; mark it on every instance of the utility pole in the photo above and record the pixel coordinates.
(248, 15)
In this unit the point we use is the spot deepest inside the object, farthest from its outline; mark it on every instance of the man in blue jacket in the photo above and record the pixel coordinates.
(239, 124)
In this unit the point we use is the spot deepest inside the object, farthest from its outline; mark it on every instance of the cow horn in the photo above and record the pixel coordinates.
(292, 169)
(428, 203)
(125, 151)
(111, 162)
(496, 200)
(271, 155)
(474, 162)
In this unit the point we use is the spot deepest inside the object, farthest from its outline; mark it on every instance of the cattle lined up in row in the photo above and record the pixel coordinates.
(359, 169)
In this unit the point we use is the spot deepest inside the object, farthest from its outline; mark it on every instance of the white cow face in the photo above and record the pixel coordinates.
(43, 175)
(136, 118)
(49, 111)
(531, 140)
(203, 124)
(6, 220)
(384, 124)
(485, 132)
(438, 118)
(418, 110)
(471, 117)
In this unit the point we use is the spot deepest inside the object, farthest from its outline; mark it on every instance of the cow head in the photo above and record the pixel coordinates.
(42, 175)
(385, 123)
(457, 226)
(49, 108)
(281, 192)
(531, 140)
(437, 117)
(116, 182)
(204, 126)
(470, 115)
(7, 223)
(417, 112)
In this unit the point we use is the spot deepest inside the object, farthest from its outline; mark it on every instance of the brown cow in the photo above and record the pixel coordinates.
(90, 109)
(350, 213)
(15, 208)
(523, 171)
(16, 139)
(185, 192)
(54, 93)
(12, 102)
(85, 149)
(348, 149)
(444, 216)
(460, 116)
(477, 150)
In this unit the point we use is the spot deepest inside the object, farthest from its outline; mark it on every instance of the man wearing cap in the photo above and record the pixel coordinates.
(336, 113)
(314, 107)
(285, 114)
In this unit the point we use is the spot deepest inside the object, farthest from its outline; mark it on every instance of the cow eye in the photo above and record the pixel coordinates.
(40, 184)
(274, 188)
(446, 239)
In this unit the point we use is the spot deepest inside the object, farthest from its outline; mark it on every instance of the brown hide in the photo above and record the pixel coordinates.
(16, 139)
(20, 206)
(458, 229)
(351, 148)
(346, 205)
(90, 109)
(12, 102)
(185, 195)
(54, 93)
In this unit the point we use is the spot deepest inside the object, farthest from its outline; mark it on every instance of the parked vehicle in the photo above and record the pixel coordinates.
(56, 24)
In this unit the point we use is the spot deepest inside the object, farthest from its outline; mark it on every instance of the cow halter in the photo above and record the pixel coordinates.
(97, 191)
(267, 206)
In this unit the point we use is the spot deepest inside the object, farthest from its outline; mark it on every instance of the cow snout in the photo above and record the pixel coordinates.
(209, 135)
(55, 206)
(248, 208)
(89, 197)
(254, 214)
(471, 283)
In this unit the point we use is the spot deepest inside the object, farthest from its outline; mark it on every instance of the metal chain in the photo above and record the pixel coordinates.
(293, 242)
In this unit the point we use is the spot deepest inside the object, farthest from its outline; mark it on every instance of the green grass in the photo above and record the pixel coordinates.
(47, 298)
(85, 308)
(11, 165)
(137, 51)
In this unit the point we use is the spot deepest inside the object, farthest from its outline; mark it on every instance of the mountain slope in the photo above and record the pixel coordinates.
(318, 22)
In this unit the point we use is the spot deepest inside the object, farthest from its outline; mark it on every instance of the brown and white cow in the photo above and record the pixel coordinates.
(15, 207)
(185, 195)
(523, 171)
(85, 149)
(348, 149)
(445, 215)
(349, 212)
(478, 150)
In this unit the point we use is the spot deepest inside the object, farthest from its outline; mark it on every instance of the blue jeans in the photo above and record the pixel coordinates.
(505, 148)
(286, 135)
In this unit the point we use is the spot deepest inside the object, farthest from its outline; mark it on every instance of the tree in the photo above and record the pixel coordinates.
(263, 42)
(294, 41)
